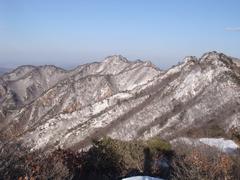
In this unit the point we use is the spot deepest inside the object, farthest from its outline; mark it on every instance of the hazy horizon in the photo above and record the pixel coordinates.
(70, 33)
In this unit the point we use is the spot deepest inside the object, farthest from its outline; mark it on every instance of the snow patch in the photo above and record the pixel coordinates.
(224, 145)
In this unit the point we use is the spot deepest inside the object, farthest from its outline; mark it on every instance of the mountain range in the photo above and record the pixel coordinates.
(45, 107)
(4, 70)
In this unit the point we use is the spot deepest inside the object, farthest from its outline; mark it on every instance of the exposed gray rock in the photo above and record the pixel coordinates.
(47, 107)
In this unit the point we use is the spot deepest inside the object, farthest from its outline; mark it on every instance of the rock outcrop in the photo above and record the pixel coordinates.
(48, 107)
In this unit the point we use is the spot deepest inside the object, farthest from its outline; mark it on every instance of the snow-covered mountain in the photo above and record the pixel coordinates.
(47, 107)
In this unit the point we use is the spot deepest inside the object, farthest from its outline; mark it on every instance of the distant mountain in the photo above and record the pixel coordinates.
(47, 107)
(4, 70)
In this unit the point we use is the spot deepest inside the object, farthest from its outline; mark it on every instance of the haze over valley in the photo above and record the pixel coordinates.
(119, 90)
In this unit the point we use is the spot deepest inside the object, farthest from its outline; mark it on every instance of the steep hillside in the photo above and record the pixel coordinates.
(47, 107)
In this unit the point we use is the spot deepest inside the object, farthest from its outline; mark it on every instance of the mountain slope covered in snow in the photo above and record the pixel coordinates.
(47, 107)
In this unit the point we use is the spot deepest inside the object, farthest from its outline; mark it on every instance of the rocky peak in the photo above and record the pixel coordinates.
(51, 68)
(116, 59)
(18, 72)
(217, 59)
(210, 56)
(190, 58)
(112, 65)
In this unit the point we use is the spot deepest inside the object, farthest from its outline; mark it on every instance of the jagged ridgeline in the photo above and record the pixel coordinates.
(46, 107)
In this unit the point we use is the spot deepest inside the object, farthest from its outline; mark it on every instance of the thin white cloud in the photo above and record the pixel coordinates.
(235, 29)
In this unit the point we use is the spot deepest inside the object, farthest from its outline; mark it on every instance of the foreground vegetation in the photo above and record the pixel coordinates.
(113, 159)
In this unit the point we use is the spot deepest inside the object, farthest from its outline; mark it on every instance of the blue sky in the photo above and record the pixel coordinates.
(71, 32)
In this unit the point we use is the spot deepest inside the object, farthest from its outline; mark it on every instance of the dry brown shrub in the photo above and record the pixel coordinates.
(203, 162)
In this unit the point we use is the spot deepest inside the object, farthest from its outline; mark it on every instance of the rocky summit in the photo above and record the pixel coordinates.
(46, 107)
